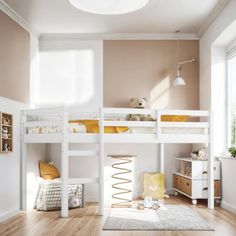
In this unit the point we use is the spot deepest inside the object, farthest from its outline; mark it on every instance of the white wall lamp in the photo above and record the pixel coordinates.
(109, 7)
(179, 81)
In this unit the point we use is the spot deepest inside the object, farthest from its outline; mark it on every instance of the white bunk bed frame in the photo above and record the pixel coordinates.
(61, 115)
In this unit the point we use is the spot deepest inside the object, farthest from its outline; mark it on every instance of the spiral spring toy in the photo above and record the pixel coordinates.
(124, 159)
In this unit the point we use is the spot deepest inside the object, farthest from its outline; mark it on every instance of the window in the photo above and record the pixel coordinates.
(232, 101)
(69, 73)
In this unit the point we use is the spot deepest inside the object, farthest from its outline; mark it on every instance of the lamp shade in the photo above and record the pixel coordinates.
(108, 7)
(179, 81)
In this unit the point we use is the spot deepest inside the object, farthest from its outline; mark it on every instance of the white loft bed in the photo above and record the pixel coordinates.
(156, 132)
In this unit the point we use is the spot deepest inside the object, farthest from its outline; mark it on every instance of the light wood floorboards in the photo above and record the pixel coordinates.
(86, 222)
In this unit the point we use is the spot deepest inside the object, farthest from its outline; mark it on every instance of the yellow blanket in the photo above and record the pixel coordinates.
(92, 126)
(174, 118)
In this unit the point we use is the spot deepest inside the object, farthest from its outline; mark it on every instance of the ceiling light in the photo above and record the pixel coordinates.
(109, 7)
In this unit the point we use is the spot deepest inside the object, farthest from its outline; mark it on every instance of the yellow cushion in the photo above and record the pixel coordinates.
(153, 185)
(174, 118)
(48, 171)
(92, 126)
(95, 129)
(121, 129)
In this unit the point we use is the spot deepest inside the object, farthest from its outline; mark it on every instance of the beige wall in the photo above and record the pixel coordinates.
(147, 69)
(14, 60)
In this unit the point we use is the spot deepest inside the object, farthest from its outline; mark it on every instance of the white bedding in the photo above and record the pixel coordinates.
(80, 128)
(72, 127)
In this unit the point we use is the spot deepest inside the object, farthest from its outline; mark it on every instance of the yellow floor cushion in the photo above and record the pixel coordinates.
(48, 171)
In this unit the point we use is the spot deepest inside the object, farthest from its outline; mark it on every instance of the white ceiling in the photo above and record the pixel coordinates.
(159, 16)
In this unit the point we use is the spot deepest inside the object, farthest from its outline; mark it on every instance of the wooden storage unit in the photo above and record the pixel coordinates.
(6, 134)
(194, 184)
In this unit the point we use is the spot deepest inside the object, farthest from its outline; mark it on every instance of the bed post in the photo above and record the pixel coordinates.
(161, 146)
(64, 165)
(23, 164)
(211, 163)
(101, 163)
(161, 158)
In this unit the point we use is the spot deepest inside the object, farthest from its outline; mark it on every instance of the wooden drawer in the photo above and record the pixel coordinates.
(183, 184)
(176, 181)
(186, 186)
(217, 185)
(200, 170)
(200, 188)
(197, 189)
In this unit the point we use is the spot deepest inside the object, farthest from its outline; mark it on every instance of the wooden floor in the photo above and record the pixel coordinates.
(86, 222)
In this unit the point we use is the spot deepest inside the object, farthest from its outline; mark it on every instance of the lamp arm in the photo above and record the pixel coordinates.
(187, 61)
(178, 70)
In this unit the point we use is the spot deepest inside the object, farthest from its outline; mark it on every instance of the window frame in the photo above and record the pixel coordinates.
(230, 54)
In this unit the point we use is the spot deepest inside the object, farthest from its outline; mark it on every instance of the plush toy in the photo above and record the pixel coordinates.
(200, 155)
(139, 103)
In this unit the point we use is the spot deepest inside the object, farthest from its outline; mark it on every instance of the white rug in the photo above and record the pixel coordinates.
(168, 217)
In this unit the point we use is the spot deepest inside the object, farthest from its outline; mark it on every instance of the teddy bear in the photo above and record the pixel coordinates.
(139, 103)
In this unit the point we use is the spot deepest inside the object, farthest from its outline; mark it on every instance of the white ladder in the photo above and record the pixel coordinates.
(67, 154)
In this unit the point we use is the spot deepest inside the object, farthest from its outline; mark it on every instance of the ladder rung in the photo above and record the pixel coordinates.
(78, 153)
(83, 180)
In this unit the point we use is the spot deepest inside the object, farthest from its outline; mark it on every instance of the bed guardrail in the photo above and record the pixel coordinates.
(201, 127)
(117, 117)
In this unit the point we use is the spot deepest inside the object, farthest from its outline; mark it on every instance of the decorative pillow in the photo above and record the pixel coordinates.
(92, 126)
(153, 185)
(49, 196)
(77, 128)
(174, 118)
(121, 129)
(48, 171)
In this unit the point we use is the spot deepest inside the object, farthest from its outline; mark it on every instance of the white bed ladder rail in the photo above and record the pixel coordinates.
(101, 163)
(74, 153)
(77, 152)
(82, 153)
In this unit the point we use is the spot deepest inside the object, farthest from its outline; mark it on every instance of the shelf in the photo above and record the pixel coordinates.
(7, 125)
(177, 190)
(6, 132)
(185, 176)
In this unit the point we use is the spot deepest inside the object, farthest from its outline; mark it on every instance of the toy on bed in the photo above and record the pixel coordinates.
(49, 192)
(139, 103)
(200, 154)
